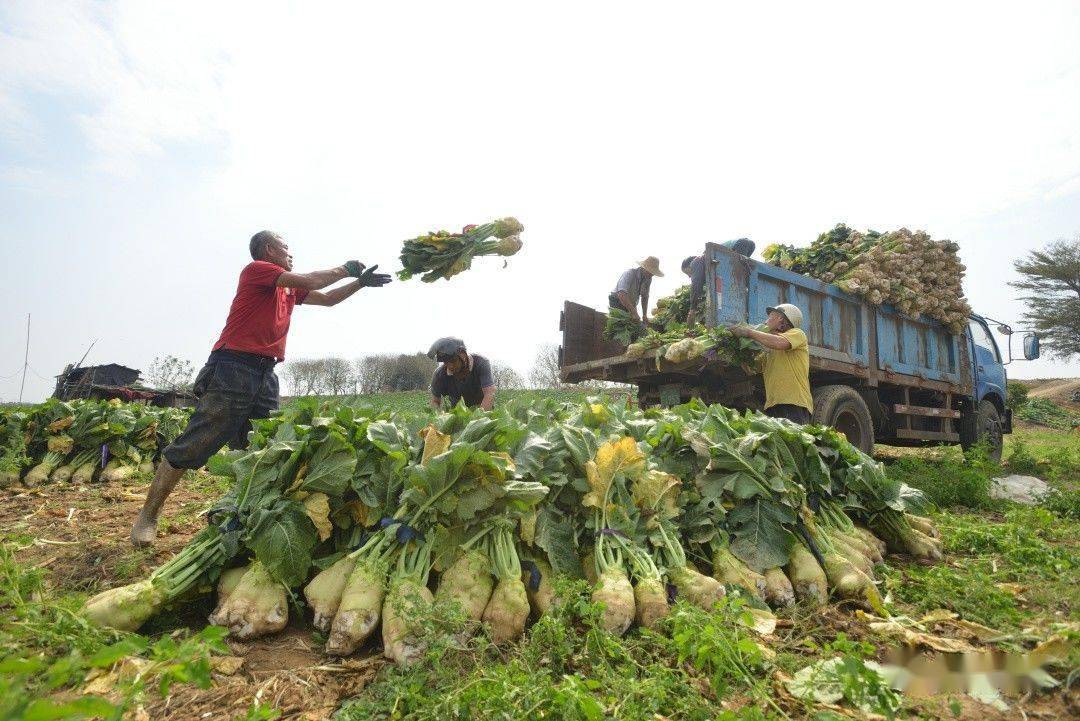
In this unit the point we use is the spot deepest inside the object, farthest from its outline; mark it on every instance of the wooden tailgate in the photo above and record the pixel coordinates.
(583, 335)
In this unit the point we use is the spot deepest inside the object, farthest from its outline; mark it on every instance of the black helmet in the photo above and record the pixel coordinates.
(444, 349)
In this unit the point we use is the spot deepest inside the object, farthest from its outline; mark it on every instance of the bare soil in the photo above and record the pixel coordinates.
(80, 535)
(1058, 390)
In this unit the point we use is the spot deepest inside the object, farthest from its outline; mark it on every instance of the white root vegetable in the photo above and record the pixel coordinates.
(849, 583)
(323, 593)
(851, 553)
(778, 590)
(854, 541)
(729, 569)
(806, 576)
(85, 472)
(405, 602)
(116, 470)
(650, 602)
(125, 608)
(468, 582)
(62, 474)
(256, 607)
(872, 540)
(922, 524)
(701, 590)
(362, 602)
(507, 610)
(614, 591)
(229, 580)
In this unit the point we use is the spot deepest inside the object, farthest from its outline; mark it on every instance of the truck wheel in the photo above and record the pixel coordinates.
(845, 410)
(983, 425)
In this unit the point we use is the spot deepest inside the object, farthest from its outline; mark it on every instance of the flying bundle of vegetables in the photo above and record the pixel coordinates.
(911, 271)
(442, 254)
(378, 517)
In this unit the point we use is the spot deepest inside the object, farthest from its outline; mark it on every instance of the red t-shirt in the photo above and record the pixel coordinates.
(259, 317)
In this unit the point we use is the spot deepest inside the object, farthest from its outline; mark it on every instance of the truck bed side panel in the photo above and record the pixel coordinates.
(835, 322)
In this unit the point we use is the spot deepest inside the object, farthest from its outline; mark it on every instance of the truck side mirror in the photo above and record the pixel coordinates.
(1031, 346)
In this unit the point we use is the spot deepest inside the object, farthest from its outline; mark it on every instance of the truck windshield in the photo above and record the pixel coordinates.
(981, 336)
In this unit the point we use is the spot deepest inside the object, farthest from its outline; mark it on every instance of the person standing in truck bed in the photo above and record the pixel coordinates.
(633, 287)
(694, 266)
(784, 364)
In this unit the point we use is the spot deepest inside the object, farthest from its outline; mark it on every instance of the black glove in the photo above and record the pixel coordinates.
(354, 268)
(370, 279)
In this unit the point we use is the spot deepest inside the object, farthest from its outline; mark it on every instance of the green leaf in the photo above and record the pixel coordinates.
(555, 535)
(759, 537)
(283, 538)
(331, 467)
(82, 707)
(109, 655)
(530, 455)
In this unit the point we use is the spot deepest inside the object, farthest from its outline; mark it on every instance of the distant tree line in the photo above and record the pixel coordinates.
(388, 372)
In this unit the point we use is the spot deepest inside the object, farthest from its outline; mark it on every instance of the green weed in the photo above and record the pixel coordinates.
(950, 482)
(51, 647)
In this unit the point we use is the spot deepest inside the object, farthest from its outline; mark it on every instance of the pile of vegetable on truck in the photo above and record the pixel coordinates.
(896, 357)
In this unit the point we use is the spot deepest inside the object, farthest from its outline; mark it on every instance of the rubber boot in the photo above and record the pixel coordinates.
(144, 531)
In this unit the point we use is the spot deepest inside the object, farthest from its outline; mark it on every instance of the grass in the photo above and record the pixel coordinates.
(49, 648)
(701, 666)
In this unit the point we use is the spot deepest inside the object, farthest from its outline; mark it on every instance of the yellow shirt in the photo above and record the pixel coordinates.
(787, 373)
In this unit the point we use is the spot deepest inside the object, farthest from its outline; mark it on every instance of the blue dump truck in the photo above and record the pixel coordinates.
(876, 375)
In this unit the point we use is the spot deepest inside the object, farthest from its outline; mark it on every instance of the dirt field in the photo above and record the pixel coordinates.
(1058, 390)
(80, 535)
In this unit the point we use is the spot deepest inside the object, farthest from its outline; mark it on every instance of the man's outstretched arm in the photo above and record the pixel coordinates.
(332, 296)
(315, 280)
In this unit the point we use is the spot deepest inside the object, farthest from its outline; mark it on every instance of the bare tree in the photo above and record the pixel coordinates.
(545, 370)
(170, 373)
(337, 375)
(506, 377)
(306, 377)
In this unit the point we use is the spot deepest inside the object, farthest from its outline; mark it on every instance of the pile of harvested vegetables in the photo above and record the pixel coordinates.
(84, 440)
(668, 338)
(442, 254)
(911, 271)
(372, 517)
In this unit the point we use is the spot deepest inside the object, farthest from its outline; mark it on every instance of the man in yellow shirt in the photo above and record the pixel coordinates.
(785, 364)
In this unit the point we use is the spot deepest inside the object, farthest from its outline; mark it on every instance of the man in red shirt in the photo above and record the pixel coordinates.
(238, 382)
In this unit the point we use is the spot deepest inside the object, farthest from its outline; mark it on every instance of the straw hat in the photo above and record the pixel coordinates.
(652, 265)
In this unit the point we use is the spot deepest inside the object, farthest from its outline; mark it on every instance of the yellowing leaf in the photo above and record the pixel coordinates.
(657, 492)
(435, 443)
(317, 508)
(355, 510)
(613, 458)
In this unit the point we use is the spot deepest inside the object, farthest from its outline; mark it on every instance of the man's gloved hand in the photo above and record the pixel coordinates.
(354, 268)
(370, 279)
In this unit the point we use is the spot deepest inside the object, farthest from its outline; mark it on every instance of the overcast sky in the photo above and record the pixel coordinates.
(141, 145)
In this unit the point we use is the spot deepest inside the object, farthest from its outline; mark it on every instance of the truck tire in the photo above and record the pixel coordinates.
(982, 424)
(842, 408)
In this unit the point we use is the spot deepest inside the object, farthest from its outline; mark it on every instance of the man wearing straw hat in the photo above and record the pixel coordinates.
(633, 287)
